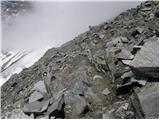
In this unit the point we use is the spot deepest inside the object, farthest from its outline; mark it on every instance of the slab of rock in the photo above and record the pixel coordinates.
(146, 61)
(149, 101)
(45, 105)
(34, 107)
(40, 86)
(35, 96)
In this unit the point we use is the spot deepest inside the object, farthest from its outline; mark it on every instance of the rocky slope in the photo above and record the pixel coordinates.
(110, 71)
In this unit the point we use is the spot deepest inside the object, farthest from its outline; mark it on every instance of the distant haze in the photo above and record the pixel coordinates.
(54, 23)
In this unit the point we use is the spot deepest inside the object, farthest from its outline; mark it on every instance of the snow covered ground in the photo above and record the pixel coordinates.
(15, 61)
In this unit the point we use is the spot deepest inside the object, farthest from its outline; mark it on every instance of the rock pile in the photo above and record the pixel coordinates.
(110, 71)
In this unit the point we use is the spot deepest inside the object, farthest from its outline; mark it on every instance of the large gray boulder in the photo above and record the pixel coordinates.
(34, 107)
(146, 61)
(149, 101)
(125, 55)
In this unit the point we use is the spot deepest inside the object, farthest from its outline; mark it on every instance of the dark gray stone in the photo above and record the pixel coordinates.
(56, 109)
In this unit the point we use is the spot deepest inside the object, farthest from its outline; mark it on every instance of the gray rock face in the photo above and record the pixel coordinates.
(149, 100)
(146, 61)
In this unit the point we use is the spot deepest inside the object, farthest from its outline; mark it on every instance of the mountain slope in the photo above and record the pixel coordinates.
(99, 74)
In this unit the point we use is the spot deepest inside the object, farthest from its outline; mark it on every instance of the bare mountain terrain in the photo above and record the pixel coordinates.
(109, 72)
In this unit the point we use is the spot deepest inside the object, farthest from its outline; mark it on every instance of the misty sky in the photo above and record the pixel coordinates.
(54, 23)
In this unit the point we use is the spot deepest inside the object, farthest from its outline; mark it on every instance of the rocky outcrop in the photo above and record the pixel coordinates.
(106, 72)
(146, 61)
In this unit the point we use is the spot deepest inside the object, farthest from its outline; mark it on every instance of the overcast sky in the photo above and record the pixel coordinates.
(54, 23)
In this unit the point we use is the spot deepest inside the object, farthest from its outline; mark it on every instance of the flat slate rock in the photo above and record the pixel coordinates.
(34, 107)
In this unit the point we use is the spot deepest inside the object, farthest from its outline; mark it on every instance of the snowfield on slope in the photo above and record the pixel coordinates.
(15, 61)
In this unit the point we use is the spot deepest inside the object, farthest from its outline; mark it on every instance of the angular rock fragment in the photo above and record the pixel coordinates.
(40, 86)
(45, 105)
(140, 29)
(35, 96)
(105, 91)
(34, 107)
(148, 100)
(146, 61)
